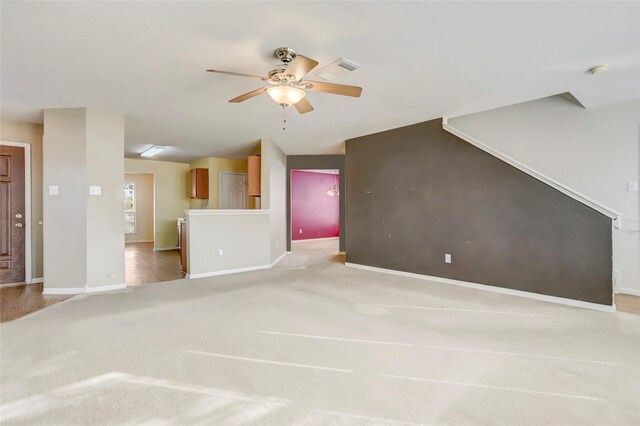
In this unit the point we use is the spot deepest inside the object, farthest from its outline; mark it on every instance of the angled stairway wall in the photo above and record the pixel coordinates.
(416, 193)
(592, 151)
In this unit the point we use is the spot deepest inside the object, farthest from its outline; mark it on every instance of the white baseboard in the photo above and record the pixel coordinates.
(511, 292)
(37, 280)
(289, 252)
(227, 271)
(16, 284)
(165, 248)
(315, 239)
(64, 290)
(630, 291)
(237, 270)
(106, 288)
(278, 259)
(138, 241)
(80, 290)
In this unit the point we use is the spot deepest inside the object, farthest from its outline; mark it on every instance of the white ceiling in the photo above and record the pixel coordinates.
(419, 61)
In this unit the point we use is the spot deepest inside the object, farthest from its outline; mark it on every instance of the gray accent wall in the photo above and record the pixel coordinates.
(317, 162)
(416, 193)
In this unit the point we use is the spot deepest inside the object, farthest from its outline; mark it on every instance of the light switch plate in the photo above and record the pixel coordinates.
(447, 258)
(95, 190)
(54, 190)
(632, 186)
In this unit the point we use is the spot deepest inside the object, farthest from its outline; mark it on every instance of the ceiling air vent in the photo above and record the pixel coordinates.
(337, 69)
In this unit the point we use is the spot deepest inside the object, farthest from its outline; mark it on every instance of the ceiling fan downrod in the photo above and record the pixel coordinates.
(284, 117)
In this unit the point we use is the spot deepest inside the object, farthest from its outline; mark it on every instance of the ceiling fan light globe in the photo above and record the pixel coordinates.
(286, 95)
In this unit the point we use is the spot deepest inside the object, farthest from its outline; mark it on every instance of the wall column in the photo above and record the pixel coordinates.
(83, 232)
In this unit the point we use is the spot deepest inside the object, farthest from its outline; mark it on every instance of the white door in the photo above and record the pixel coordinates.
(233, 190)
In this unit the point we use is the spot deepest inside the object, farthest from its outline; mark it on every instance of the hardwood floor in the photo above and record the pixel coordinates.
(628, 303)
(20, 300)
(144, 266)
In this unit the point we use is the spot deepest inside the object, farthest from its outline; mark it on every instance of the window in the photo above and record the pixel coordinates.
(129, 208)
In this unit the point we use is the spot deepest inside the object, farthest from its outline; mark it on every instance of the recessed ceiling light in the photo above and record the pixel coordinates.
(155, 149)
(598, 69)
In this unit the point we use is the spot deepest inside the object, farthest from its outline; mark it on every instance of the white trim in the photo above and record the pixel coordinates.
(16, 284)
(80, 290)
(165, 248)
(628, 225)
(289, 252)
(28, 217)
(315, 239)
(63, 290)
(607, 211)
(37, 280)
(511, 292)
(630, 291)
(278, 259)
(237, 270)
(106, 288)
(224, 212)
(246, 201)
(227, 271)
(138, 241)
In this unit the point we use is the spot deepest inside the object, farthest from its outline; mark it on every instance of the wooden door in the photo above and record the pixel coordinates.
(12, 214)
(233, 190)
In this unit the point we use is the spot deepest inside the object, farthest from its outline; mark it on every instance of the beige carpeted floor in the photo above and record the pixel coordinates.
(313, 342)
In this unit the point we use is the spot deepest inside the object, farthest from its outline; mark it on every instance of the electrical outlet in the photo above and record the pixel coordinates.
(632, 186)
(277, 243)
(301, 231)
(447, 258)
(220, 252)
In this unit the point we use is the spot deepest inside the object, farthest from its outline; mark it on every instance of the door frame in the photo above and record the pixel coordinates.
(220, 187)
(27, 210)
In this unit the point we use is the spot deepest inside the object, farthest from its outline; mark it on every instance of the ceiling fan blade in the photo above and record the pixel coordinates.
(300, 67)
(239, 74)
(336, 89)
(249, 95)
(303, 106)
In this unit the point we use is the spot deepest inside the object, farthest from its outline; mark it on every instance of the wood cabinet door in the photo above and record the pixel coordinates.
(200, 183)
(12, 214)
(253, 175)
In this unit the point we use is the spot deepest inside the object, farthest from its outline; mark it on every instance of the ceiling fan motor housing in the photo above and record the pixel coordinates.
(285, 54)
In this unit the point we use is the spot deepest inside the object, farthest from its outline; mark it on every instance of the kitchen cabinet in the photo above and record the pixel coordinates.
(253, 175)
(200, 183)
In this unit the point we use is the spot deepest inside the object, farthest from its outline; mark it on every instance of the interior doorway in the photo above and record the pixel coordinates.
(315, 207)
(143, 264)
(319, 162)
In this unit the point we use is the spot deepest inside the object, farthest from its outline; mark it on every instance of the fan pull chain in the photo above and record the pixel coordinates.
(284, 117)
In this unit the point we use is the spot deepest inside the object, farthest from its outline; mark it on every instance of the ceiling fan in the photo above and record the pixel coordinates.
(286, 85)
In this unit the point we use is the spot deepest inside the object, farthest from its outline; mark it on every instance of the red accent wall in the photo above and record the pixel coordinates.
(312, 210)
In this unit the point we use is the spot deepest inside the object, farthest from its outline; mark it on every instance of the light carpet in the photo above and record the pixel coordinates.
(313, 342)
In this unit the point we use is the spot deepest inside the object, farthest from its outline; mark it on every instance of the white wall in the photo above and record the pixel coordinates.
(593, 151)
(65, 215)
(105, 225)
(242, 235)
(83, 234)
(273, 194)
